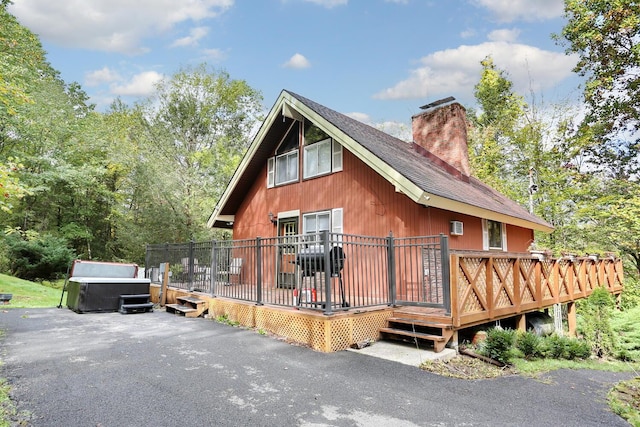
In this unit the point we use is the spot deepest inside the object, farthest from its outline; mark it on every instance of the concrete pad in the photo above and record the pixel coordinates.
(404, 353)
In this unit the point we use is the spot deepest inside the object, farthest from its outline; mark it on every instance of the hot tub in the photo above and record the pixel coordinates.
(102, 294)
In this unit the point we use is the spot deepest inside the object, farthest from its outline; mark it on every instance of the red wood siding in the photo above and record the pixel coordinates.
(371, 206)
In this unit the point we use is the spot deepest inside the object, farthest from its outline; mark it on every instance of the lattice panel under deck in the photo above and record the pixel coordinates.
(322, 333)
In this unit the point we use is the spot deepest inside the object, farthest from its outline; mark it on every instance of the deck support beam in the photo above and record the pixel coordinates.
(521, 322)
(571, 318)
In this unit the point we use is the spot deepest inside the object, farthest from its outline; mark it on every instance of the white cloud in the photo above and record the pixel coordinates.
(456, 71)
(504, 35)
(397, 129)
(468, 33)
(98, 77)
(192, 39)
(110, 25)
(329, 3)
(297, 61)
(526, 10)
(214, 55)
(142, 84)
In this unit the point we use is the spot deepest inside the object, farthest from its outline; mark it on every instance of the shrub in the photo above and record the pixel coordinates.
(558, 347)
(630, 298)
(34, 257)
(577, 349)
(499, 345)
(595, 325)
(627, 331)
(555, 347)
(529, 344)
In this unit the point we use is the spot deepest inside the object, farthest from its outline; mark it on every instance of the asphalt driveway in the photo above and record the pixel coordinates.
(157, 369)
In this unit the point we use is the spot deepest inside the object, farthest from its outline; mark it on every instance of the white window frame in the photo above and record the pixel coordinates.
(335, 159)
(335, 221)
(486, 239)
(272, 169)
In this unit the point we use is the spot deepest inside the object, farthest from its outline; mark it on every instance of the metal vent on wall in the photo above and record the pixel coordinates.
(457, 228)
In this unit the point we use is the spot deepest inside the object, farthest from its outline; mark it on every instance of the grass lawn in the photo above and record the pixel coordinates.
(30, 294)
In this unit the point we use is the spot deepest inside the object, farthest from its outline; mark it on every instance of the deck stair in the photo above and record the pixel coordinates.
(135, 303)
(410, 327)
(188, 306)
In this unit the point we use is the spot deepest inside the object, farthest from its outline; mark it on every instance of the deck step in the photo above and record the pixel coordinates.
(420, 322)
(183, 310)
(135, 303)
(439, 341)
(136, 308)
(186, 300)
(420, 335)
(188, 306)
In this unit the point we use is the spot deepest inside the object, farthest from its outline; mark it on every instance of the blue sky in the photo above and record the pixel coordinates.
(375, 60)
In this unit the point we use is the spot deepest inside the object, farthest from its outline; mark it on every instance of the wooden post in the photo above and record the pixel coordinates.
(165, 284)
(521, 322)
(517, 291)
(571, 318)
(489, 288)
(454, 267)
(557, 319)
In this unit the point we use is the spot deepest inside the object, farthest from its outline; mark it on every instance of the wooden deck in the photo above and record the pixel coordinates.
(484, 287)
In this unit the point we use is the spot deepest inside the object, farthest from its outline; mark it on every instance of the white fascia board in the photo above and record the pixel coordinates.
(467, 209)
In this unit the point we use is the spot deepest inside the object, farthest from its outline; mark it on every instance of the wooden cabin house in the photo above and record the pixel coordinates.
(315, 178)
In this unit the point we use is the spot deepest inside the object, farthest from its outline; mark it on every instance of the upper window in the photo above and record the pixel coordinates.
(494, 235)
(322, 155)
(317, 158)
(286, 168)
(283, 168)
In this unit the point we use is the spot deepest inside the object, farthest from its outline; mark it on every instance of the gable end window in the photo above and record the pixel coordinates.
(494, 235)
(282, 169)
(322, 157)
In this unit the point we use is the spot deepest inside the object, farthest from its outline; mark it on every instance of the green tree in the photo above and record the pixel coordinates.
(605, 36)
(199, 125)
(491, 143)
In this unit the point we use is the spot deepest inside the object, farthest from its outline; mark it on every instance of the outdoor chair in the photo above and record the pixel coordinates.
(233, 275)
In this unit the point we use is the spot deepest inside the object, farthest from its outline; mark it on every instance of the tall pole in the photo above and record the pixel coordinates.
(557, 308)
(533, 188)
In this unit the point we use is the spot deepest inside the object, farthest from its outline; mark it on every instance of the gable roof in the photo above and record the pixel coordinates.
(419, 177)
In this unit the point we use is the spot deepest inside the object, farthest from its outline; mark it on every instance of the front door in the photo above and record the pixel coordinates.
(287, 229)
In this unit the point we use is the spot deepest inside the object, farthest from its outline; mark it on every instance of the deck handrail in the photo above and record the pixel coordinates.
(469, 286)
(488, 286)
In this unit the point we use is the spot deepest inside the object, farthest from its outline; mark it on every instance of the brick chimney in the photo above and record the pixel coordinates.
(441, 130)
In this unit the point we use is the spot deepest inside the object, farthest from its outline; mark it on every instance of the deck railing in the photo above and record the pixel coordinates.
(487, 286)
(331, 272)
(301, 270)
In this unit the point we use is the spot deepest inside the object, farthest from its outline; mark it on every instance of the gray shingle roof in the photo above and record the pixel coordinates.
(426, 174)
